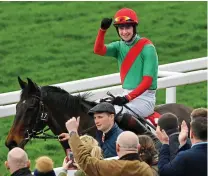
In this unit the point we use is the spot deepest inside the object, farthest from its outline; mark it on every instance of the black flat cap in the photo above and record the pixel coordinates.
(102, 107)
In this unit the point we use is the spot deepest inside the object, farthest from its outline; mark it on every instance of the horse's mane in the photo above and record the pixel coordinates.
(60, 98)
(67, 101)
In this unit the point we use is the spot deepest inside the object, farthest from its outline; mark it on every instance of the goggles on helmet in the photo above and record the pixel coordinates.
(122, 19)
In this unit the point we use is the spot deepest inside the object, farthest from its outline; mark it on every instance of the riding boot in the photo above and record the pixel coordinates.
(128, 122)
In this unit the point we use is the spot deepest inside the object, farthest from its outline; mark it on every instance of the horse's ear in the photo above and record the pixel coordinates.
(31, 86)
(22, 83)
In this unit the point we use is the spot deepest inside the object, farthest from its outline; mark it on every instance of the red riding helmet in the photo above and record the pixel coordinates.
(125, 16)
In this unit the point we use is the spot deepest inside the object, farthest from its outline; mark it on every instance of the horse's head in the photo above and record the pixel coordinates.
(51, 106)
(27, 120)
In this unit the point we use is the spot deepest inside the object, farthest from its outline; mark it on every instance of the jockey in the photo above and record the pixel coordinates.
(137, 60)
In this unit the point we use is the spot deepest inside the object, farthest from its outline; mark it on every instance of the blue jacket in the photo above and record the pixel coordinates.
(109, 144)
(191, 162)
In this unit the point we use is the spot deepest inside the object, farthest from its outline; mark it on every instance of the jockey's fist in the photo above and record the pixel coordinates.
(120, 101)
(105, 23)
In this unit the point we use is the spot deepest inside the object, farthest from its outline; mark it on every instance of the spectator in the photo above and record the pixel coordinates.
(44, 167)
(127, 145)
(148, 152)
(107, 128)
(169, 123)
(90, 142)
(189, 161)
(18, 163)
(199, 112)
(94, 149)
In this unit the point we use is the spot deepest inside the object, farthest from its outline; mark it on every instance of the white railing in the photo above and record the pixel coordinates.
(170, 76)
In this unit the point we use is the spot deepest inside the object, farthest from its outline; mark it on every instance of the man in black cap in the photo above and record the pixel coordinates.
(107, 129)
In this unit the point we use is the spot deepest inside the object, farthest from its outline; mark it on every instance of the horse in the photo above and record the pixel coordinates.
(52, 106)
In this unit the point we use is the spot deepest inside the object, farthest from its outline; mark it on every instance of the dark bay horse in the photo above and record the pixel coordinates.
(52, 106)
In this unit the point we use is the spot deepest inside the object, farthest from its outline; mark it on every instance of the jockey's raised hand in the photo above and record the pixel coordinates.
(120, 101)
(105, 23)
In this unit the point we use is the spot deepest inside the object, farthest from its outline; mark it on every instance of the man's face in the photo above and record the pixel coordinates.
(126, 32)
(104, 121)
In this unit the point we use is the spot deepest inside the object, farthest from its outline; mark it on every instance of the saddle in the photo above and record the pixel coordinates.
(153, 118)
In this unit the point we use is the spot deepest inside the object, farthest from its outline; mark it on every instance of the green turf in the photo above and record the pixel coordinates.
(52, 42)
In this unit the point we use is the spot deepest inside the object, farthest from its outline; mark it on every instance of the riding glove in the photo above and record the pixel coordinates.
(105, 23)
(120, 101)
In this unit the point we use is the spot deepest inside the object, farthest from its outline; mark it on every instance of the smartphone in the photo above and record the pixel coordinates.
(69, 155)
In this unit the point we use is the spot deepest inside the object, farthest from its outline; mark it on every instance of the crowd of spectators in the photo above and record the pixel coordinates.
(183, 152)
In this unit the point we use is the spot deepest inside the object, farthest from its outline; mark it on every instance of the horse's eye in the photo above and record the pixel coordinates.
(24, 101)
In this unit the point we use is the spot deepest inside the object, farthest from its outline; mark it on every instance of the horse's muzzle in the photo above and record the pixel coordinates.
(10, 145)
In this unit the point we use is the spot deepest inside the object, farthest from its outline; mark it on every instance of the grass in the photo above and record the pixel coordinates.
(52, 42)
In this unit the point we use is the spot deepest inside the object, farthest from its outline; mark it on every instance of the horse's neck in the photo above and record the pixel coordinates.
(63, 111)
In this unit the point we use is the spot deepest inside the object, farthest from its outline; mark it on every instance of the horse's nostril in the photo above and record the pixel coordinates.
(11, 145)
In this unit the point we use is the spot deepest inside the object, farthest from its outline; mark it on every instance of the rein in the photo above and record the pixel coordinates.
(41, 135)
(86, 130)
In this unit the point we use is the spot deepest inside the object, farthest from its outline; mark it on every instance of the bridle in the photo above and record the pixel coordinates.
(42, 117)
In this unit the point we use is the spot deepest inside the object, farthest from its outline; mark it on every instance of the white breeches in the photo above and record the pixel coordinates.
(143, 105)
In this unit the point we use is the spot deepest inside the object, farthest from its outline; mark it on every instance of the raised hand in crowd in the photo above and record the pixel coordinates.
(183, 135)
(162, 136)
(66, 163)
(73, 124)
(65, 166)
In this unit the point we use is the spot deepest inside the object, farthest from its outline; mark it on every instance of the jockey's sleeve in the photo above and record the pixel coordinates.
(99, 47)
(141, 88)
